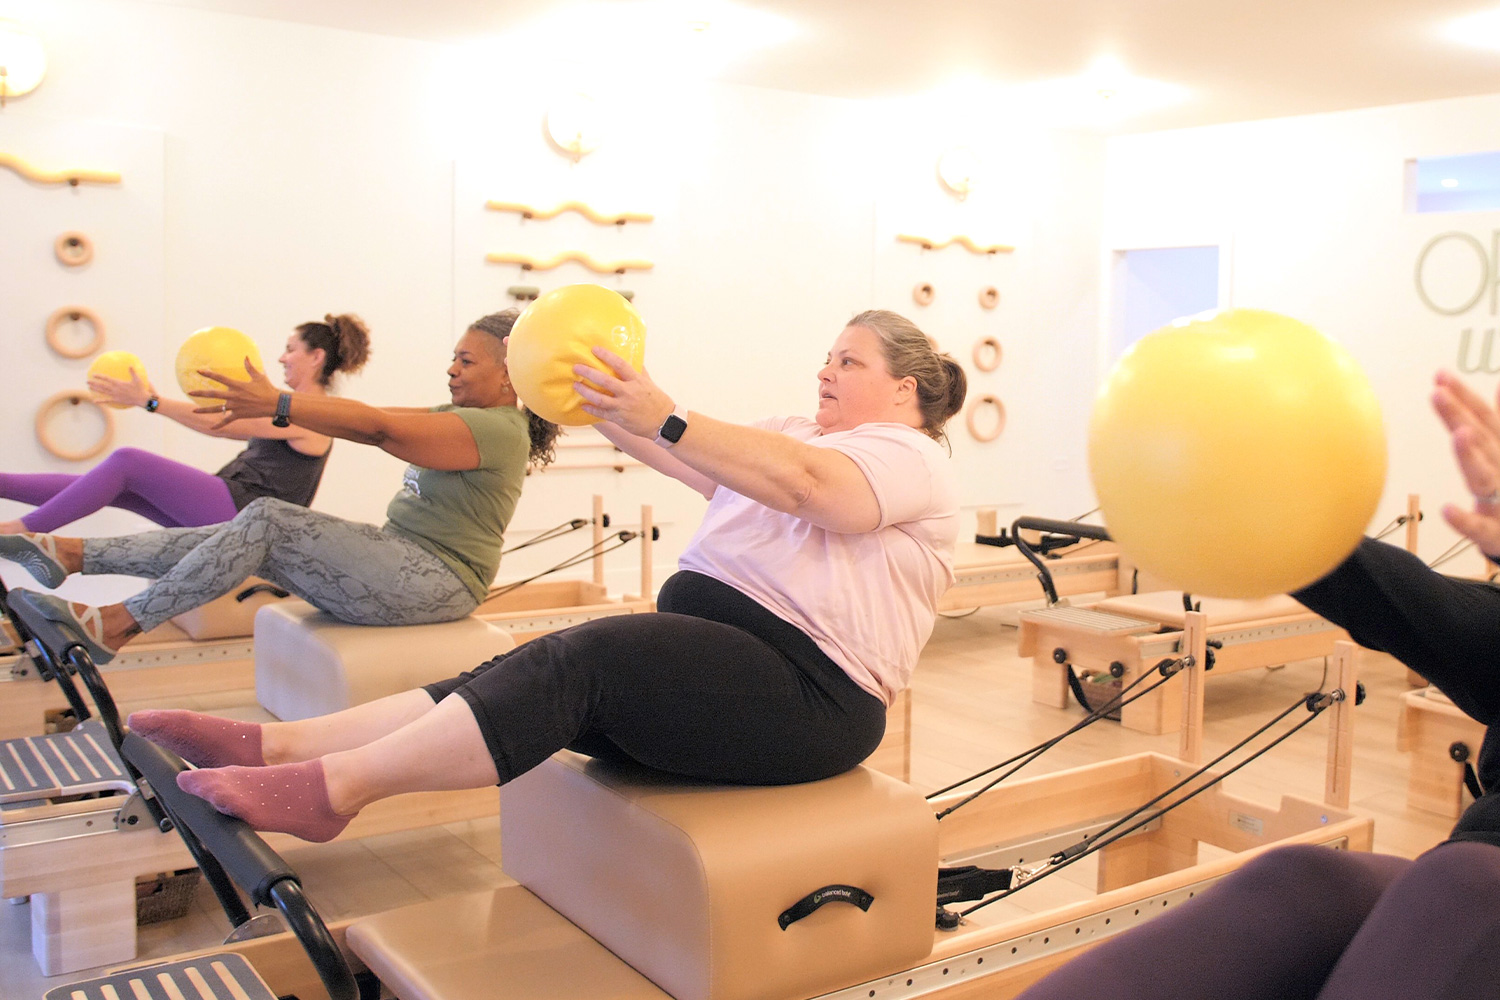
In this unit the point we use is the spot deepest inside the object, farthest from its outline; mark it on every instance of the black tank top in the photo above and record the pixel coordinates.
(270, 467)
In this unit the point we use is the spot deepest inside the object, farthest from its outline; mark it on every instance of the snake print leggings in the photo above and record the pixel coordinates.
(358, 573)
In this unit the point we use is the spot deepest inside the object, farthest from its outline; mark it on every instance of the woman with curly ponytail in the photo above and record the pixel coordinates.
(282, 462)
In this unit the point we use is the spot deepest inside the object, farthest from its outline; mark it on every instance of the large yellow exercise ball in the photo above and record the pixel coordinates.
(117, 365)
(1237, 454)
(220, 349)
(561, 329)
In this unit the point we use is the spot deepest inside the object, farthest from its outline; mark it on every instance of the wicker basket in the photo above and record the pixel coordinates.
(166, 896)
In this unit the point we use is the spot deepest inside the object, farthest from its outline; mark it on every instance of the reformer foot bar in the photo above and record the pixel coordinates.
(993, 570)
(75, 843)
(626, 876)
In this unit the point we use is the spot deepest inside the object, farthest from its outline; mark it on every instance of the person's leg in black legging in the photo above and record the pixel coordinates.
(1271, 931)
(1446, 629)
(1435, 932)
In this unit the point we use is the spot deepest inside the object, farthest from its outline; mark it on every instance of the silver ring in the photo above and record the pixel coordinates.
(1492, 497)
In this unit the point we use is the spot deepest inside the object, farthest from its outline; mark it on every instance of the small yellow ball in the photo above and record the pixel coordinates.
(561, 329)
(220, 349)
(117, 365)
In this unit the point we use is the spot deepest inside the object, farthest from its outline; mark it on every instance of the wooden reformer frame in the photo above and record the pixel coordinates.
(1153, 869)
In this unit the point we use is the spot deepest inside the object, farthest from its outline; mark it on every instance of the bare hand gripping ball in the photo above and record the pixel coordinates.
(559, 330)
(1237, 454)
(117, 365)
(221, 350)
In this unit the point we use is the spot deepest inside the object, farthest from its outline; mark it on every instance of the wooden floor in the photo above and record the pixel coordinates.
(971, 707)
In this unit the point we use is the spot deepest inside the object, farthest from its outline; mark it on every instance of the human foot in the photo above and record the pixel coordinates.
(204, 740)
(37, 555)
(280, 798)
(80, 621)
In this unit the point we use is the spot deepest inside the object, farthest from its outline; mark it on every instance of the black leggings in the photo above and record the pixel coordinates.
(1446, 629)
(712, 686)
(1305, 922)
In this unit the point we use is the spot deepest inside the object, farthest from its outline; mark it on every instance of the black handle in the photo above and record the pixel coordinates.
(821, 897)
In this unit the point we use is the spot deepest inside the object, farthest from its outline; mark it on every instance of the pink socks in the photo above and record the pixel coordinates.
(204, 740)
(281, 798)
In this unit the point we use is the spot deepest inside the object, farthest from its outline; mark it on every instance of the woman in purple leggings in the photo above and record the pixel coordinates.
(282, 462)
(1345, 925)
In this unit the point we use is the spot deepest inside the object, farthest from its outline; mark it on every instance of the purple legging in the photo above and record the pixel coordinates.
(167, 492)
(1310, 922)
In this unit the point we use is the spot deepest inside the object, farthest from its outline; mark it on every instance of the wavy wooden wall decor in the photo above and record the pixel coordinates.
(69, 176)
(966, 241)
(592, 214)
(530, 263)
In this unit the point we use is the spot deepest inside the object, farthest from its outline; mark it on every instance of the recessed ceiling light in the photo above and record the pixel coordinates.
(1480, 30)
(1449, 182)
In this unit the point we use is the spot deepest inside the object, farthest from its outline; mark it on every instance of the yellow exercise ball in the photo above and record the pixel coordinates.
(561, 329)
(117, 365)
(220, 349)
(1237, 454)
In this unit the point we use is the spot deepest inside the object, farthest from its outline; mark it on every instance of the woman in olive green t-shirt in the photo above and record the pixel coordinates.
(432, 561)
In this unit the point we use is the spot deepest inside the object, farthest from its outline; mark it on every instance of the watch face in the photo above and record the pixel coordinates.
(672, 428)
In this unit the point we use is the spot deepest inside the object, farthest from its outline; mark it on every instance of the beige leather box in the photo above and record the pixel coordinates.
(309, 663)
(231, 616)
(686, 882)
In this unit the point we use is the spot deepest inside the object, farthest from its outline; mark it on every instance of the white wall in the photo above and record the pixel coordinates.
(1311, 211)
(308, 170)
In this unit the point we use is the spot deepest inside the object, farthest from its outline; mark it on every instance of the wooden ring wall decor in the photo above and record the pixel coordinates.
(989, 297)
(974, 408)
(73, 249)
(987, 354)
(923, 294)
(73, 397)
(71, 314)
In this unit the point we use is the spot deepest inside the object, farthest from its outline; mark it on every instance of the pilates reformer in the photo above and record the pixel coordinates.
(822, 890)
(78, 858)
(168, 661)
(993, 570)
(1122, 637)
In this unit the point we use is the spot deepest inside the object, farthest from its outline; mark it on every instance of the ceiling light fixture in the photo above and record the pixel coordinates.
(1480, 30)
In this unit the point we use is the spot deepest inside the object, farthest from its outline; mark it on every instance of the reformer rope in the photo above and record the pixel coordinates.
(1453, 551)
(1167, 669)
(597, 549)
(1400, 521)
(567, 527)
(1315, 704)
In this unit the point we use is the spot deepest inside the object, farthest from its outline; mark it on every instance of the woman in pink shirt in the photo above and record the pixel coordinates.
(797, 614)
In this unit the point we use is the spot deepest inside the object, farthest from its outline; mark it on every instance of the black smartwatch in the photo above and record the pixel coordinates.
(152, 404)
(283, 416)
(672, 428)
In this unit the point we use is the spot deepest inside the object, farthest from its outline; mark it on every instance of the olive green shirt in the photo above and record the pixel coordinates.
(460, 517)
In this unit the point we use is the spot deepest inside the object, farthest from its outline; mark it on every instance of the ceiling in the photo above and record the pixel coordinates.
(1237, 59)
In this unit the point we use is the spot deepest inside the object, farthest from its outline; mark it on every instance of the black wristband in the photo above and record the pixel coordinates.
(283, 416)
(152, 404)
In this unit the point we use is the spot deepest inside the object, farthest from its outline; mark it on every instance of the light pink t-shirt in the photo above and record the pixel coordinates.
(867, 599)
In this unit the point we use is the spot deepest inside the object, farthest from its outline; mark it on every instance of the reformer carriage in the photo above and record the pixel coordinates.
(827, 889)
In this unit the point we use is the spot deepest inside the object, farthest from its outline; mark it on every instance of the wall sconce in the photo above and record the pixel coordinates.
(959, 169)
(23, 61)
(574, 125)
